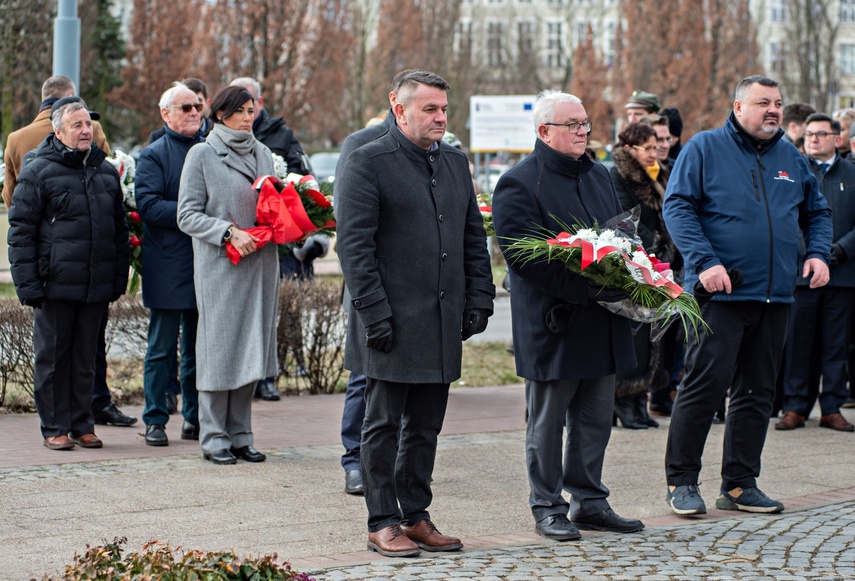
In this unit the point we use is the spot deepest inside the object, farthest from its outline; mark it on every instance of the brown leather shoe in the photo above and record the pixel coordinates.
(88, 441)
(392, 542)
(59, 443)
(790, 421)
(425, 535)
(836, 422)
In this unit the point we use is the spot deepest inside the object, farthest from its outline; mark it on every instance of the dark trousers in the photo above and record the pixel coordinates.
(65, 335)
(743, 352)
(821, 322)
(101, 396)
(352, 417)
(587, 406)
(163, 330)
(397, 476)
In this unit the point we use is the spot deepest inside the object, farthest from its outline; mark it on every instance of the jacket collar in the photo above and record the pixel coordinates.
(756, 145)
(560, 163)
(183, 139)
(52, 148)
(411, 149)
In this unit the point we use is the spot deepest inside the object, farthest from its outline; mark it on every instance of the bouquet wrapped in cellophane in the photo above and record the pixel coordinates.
(612, 256)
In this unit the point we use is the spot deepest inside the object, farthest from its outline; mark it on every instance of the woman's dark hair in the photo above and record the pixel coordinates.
(227, 101)
(636, 134)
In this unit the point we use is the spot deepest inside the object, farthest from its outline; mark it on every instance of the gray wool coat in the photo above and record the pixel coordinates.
(412, 246)
(236, 339)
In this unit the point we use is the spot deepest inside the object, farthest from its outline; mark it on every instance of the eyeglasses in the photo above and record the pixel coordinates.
(820, 134)
(666, 140)
(574, 127)
(648, 149)
(187, 107)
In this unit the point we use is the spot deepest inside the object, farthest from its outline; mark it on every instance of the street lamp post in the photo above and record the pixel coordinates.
(66, 41)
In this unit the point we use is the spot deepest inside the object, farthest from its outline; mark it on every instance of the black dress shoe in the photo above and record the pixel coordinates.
(353, 482)
(222, 456)
(609, 521)
(625, 411)
(266, 390)
(113, 416)
(556, 526)
(155, 435)
(189, 431)
(171, 403)
(249, 454)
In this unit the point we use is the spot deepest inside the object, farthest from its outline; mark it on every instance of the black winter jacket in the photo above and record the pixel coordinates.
(68, 239)
(275, 134)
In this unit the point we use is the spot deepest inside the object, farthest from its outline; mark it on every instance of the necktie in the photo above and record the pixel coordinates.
(824, 167)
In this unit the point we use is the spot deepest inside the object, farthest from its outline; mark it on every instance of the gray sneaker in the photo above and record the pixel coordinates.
(748, 500)
(686, 500)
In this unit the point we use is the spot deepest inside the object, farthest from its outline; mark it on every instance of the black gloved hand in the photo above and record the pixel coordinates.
(36, 303)
(379, 335)
(558, 317)
(838, 255)
(474, 322)
(605, 294)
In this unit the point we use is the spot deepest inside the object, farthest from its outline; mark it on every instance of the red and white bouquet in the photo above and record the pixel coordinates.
(288, 211)
(126, 166)
(485, 206)
(613, 257)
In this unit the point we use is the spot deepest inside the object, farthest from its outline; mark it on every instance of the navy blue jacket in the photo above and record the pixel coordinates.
(542, 189)
(68, 239)
(838, 187)
(167, 252)
(734, 203)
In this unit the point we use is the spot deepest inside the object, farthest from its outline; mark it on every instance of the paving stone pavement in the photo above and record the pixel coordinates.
(809, 544)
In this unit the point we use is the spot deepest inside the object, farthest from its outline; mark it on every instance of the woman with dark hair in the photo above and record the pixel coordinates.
(640, 180)
(236, 339)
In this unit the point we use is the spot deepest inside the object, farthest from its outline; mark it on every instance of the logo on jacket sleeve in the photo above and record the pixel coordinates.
(782, 175)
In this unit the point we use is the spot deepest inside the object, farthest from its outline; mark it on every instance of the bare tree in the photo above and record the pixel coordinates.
(591, 87)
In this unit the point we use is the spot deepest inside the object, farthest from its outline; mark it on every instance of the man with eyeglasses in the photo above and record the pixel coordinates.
(167, 260)
(567, 347)
(737, 199)
(822, 318)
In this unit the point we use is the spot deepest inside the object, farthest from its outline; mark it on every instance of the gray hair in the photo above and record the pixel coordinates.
(56, 119)
(544, 107)
(169, 94)
(743, 86)
(250, 84)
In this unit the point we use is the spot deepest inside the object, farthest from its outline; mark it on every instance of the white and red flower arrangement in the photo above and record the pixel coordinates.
(126, 166)
(486, 208)
(288, 210)
(613, 258)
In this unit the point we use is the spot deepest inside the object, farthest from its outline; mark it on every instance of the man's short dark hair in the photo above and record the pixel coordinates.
(229, 100)
(196, 86)
(655, 119)
(397, 79)
(822, 117)
(57, 86)
(742, 87)
(796, 113)
(418, 77)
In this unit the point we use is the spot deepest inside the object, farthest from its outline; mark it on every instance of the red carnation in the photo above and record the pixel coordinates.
(134, 217)
(135, 241)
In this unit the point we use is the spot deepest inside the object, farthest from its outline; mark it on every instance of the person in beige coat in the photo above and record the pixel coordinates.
(236, 337)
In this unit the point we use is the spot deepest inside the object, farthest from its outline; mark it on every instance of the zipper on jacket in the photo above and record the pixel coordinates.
(756, 189)
(769, 223)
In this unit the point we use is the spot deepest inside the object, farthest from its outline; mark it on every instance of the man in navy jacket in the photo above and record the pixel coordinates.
(167, 256)
(737, 199)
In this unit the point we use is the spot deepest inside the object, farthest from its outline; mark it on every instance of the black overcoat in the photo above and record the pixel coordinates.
(545, 187)
(412, 246)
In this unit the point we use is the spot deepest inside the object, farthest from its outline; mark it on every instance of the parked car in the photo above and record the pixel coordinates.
(323, 165)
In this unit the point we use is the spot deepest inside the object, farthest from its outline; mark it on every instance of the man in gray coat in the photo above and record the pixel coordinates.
(413, 251)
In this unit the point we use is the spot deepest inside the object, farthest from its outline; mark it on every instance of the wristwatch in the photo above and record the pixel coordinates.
(228, 235)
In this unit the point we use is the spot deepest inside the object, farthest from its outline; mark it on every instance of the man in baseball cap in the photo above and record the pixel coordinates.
(641, 103)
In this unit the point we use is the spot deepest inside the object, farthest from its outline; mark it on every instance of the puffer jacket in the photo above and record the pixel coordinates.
(68, 239)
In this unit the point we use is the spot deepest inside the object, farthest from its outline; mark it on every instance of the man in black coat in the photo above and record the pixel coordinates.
(567, 347)
(167, 256)
(68, 247)
(353, 412)
(414, 255)
(822, 318)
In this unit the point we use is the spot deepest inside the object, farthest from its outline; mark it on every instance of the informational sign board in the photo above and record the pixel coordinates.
(501, 123)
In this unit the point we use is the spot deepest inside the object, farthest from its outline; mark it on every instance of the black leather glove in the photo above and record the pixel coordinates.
(35, 303)
(703, 296)
(474, 322)
(379, 335)
(557, 318)
(605, 294)
(838, 255)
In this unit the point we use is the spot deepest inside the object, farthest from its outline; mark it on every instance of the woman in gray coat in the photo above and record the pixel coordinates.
(236, 340)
